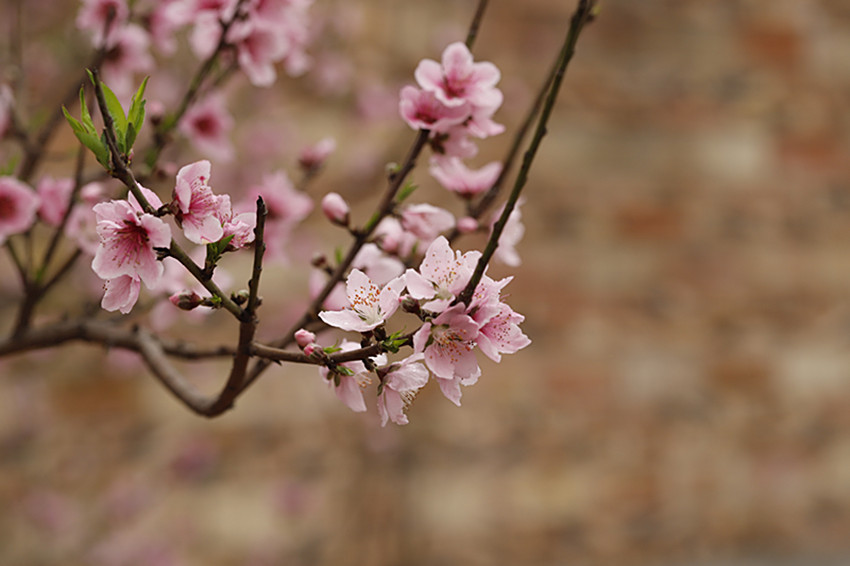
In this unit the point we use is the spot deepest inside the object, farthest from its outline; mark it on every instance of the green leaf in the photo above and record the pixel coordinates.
(113, 106)
(332, 349)
(131, 136)
(75, 124)
(136, 114)
(405, 191)
(10, 166)
(85, 115)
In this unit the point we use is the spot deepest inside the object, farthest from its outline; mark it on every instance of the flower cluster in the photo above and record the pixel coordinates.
(456, 99)
(131, 238)
(445, 343)
(262, 34)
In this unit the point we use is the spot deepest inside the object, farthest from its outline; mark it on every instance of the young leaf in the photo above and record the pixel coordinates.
(405, 192)
(113, 106)
(84, 114)
(136, 114)
(131, 136)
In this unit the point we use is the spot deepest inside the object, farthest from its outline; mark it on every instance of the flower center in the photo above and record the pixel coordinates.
(7, 207)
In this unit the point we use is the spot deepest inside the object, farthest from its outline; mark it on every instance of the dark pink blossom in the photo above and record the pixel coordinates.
(207, 125)
(18, 206)
(127, 242)
(421, 109)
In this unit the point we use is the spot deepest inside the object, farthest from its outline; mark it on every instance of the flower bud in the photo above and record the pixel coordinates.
(304, 338)
(411, 305)
(467, 224)
(187, 300)
(314, 156)
(335, 208)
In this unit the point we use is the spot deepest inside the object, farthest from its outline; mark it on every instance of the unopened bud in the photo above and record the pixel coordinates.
(467, 224)
(304, 338)
(186, 300)
(335, 208)
(314, 156)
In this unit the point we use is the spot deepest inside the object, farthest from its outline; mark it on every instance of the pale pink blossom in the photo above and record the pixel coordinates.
(55, 195)
(258, 47)
(314, 156)
(18, 206)
(128, 56)
(304, 338)
(467, 225)
(349, 388)
(336, 299)
(286, 208)
(207, 125)
(452, 174)
(442, 274)
(380, 267)
(458, 80)
(393, 238)
(368, 306)
(335, 209)
(127, 242)
(511, 235)
(426, 221)
(120, 293)
(421, 109)
(454, 142)
(448, 342)
(103, 19)
(82, 222)
(199, 210)
(399, 386)
(502, 335)
(166, 17)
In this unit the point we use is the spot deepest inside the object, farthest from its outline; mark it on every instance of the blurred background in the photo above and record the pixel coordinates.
(685, 278)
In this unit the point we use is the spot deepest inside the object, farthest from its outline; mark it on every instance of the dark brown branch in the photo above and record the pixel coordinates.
(104, 333)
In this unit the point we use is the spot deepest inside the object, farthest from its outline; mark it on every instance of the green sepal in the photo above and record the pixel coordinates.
(85, 115)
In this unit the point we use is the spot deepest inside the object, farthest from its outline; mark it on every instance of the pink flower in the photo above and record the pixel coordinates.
(240, 226)
(94, 16)
(166, 17)
(258, 47)
(286, 208)
(207, 125)
(314, 156)
(82, 223)
(120, 293)
(304, 338)
(448, 342)
(349, 388)
(467, 225)
(458, 80)
(55, 197)
(421, 109)
(452, 174)
(380, 267)
(513, 232)
(399, 387)
(441, 276)
(18, 206)
(502, 335)
(127, 242)
(426, 221)
(368, 307)
(129, 55)
(335, 209)
(199, 210)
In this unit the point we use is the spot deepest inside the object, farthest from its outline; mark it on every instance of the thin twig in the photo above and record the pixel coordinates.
(580, 17)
